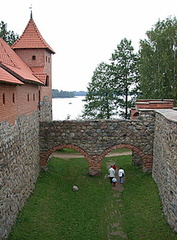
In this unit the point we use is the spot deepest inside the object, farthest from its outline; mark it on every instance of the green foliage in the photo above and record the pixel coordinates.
(113, 84)
(54, 211)
(8, 36)
(158, 61)
(100, 96)
(125, 75)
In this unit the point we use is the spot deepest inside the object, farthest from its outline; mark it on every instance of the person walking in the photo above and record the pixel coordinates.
(121, 174)
(114, 166)
(111, 173)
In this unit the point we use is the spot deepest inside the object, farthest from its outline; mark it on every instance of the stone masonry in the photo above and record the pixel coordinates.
(27, 145)
(165, 162)
(94, 139)
(19, 167)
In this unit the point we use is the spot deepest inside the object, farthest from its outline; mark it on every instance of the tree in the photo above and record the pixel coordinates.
(113, 83)
(158, 61)
(125, 76)
(100, 96)
(8, 36)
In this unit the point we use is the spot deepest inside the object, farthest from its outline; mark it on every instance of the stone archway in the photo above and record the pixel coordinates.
(94, 139)
(95, 161)
(44, 157)
(147, 160)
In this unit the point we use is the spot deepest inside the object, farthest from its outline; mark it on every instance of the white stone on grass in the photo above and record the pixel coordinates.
(75, 188)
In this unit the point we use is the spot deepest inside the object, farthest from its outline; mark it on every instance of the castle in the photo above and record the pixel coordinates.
(28, 136)
(25, 101)
(25, 76)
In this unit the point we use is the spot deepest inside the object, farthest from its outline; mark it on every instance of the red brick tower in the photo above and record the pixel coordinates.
(37, 54)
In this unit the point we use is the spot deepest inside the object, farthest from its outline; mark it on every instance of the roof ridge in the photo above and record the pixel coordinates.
(14, 64)
(38, 32)
(31, 38)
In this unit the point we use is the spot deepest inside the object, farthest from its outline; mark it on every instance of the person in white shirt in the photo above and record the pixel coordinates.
(121, 174)
(111, 173)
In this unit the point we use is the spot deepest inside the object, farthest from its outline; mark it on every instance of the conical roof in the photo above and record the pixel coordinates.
(31, 38)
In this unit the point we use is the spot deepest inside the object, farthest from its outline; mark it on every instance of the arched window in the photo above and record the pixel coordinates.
(28, 98)
(34, 97)
(33, 57)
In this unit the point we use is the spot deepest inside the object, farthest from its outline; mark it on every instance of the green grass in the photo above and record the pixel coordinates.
(96, 211)
(67, 150)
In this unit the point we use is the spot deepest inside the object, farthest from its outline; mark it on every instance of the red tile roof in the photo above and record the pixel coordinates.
(31, 38)
(14, 65)
(8, 78)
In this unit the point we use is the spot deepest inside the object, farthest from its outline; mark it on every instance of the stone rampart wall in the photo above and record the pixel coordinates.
(23, 143)
(165, 162)
(94, 139)
(19, 167)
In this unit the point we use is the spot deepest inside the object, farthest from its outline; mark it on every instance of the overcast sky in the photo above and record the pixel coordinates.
(83, 33)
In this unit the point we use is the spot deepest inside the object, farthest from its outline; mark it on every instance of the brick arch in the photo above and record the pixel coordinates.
(118, 146)
(44, 156)
(95, 138)
(146, 159)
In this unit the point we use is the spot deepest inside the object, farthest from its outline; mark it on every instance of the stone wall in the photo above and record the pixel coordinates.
(165, 162)
(45, 108)
(19, 167)
(23, 143)
(94, 139)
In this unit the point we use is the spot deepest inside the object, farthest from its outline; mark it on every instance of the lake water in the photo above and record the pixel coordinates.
(67, 108)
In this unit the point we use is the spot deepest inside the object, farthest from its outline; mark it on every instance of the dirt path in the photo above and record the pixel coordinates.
(78, 155)
(115, 229)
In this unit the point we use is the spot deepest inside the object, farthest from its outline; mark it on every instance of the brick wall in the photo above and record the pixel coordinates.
(41, 64)
(151, 104)
(17, 100)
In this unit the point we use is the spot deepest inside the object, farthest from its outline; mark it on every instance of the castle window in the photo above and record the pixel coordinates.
(33, 96)
(47, 81)
(46, 58)
(3, 99)
(28, 97)
(33, 57)
(13, 97)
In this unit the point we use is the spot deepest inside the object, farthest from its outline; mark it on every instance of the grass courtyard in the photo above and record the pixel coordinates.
(97, 211)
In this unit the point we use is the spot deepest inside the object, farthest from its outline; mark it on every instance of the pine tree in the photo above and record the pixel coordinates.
(8, 36)
(125, 77)
(100, 96)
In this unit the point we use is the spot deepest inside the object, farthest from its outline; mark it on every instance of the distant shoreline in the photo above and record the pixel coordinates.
(67, 94)
(70, 97)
